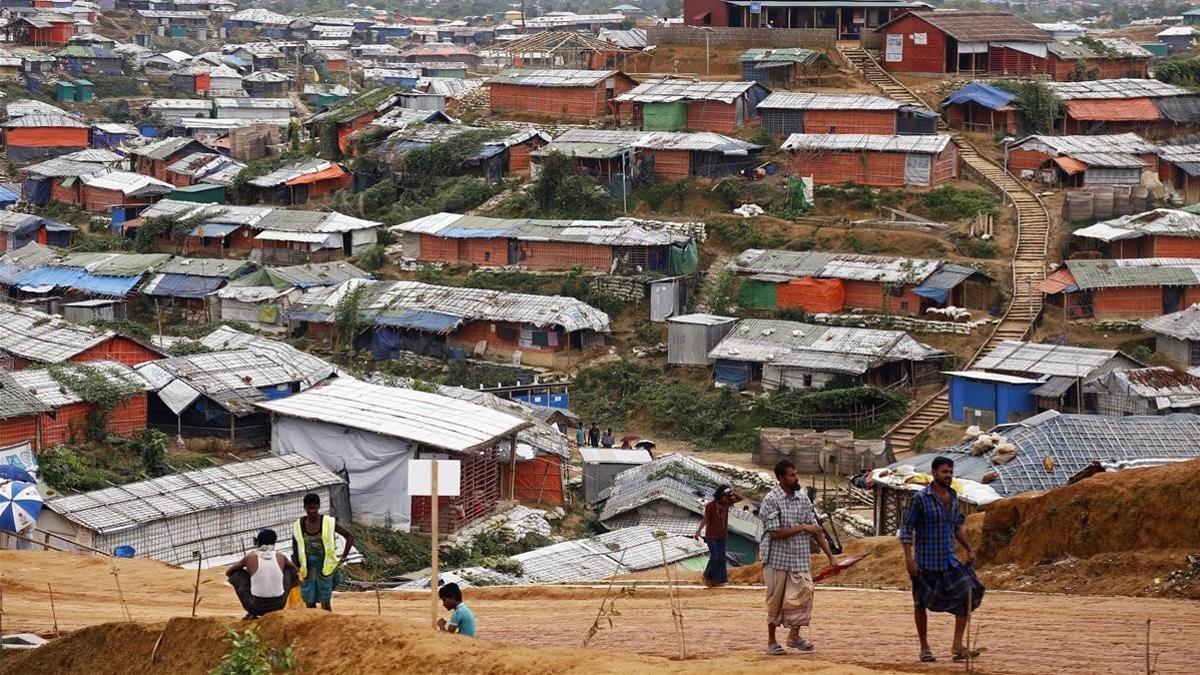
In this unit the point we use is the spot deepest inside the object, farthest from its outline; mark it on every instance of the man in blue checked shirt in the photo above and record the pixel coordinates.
(941, 583)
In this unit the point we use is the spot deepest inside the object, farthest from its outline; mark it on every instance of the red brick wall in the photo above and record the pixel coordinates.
(518, 156)
(557, 101)
(438, 249)
(672, 164)
(549, 255)
(17, 429)
(1173, 247)
(1062, 70)
(880, 169)
(120, 349)
(712, 116)
(1019, 160)
(485, 252)
(1013, 63)
(850, 122)
(1133, 302)
(66, 195)
(872, 295)
(945, 166)
(915, 58)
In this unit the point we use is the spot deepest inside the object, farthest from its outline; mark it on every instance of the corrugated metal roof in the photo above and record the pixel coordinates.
(27, 106)
(782, 56)
(1149, 223)
(61, 168)
(1072, 442)
(1015, 356)
(162, 149)
(256, 103)
(859, 142)
(1184, 325)
(191, 492)
(55, 394)
(634, 38)
(311, 368)
(427, 419)
(206, 267)
(1111, 47)
(38, 120)
(701, 319)
(796, 100)
(885, 269)
(1128, 143)
(674, 478)
(95, 155)
(381, 299)
(292, 171)
(669, 90)
(43, 338)
(1126, 87)
(823, 348)
(598, 232)
(553, 78)
(127, 183)
(1163, 388)
(23, 259)
(703, 141)
(1091, 274)
(115, 264)
(614, 456)
(981, 26)
(15, 400)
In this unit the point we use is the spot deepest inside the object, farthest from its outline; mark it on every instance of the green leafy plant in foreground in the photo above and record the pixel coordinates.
(249, 655)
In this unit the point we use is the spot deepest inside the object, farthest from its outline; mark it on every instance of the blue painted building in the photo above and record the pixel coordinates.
(987, 399)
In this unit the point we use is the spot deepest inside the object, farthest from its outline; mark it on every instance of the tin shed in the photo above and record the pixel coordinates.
(692, 336)
(601, 466)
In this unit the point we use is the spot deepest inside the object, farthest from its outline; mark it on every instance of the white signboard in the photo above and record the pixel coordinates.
(920, 38)
(895, 49)
(20, 455)
(420, 477)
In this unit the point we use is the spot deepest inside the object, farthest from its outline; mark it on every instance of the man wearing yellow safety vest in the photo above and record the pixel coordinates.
(315, 553)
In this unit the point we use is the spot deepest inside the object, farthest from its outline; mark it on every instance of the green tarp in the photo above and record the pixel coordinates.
(754, 294)
(664, 116)
(685, 260)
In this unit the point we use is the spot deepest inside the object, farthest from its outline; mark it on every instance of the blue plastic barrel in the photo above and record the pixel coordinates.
(124, 552)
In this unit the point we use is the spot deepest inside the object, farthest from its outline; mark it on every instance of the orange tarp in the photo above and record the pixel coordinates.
(812, 295)
(332, 172)
(47, 137)
(1109, 110)
(1071, 166)
(1058, 281)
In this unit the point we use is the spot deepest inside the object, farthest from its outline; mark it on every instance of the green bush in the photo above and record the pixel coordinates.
(373, 258)
(1037, 104)
(63, 470)
(151, 447)
(1180, 72)
(560, 193)
(461, 194)
(952, 203)
(838, 405)
(249, 655)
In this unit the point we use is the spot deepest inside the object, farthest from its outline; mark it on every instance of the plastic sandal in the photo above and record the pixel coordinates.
(927, 656)
(776, 650)
(961, 655)
(801, 644)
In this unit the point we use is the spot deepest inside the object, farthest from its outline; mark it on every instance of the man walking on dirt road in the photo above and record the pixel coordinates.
(941, 583)
(788, 522)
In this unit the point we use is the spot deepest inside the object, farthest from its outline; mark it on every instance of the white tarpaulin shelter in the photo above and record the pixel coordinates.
(370, 432)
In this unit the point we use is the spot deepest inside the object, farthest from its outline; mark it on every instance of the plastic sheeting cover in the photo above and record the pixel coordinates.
(733, 373)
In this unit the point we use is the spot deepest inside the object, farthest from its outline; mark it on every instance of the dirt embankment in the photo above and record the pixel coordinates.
(1123, 533)
(324, 643)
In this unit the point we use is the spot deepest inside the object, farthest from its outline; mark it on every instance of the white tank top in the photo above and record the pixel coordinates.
(267, 581)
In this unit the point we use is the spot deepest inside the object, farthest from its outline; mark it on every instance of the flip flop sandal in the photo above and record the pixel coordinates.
(776, 650)
(962, 655)
(802, 645)
(927, 656)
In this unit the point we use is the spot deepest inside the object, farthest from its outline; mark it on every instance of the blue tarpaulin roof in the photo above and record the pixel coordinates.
(78, 279)
(982, 94)
(10, 193)
(213, 230)
(422, 320)
(937, 286)
(185, 285)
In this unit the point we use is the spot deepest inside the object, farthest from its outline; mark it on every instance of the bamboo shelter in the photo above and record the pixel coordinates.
(564, 49)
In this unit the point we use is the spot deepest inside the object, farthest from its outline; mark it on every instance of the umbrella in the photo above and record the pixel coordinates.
(630, 438)
(14, 472)
(20, 505)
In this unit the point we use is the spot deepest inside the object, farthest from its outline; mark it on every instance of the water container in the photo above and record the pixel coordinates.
(1102, 204)
(1079, 206)
(807, 455)
(124, 552)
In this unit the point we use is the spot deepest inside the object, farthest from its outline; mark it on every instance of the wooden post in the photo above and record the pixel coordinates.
(433, 544)
(512, 467)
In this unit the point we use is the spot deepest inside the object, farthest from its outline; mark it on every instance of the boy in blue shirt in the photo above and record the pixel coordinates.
(462, 620)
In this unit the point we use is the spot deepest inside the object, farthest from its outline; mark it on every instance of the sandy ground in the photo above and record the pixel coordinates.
(1022, 633)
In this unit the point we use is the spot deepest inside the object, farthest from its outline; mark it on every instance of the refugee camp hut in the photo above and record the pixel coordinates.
(20, 413)
(794, 355)
(500, 154)
(983, 399)
(88, 275)
(323, 96)
(29, 338)
(109, 135)
(258, 56)
(253, 109)
(300, 181)
(1158, 233)
(153, 158)
(262, 297)
(35, 136)
(88, 311)
(212, 394)
(601, 466)
(220, 231)
(691, 337)
(267, 84)
(257, 19)
(441, 53)
(44, 29)
(20, 229)
(185, 284)
(610, 154)
(815, 281)
(216, 511)
(964, 42)
(350, 114)
(109, 188)
(875, 160)
(1177, 38)
(1177, 337)
(408, 316)
(1129, 288)
(979, 106)
(369, 433)
(792, 112)
(1083, 161)
(78, 59)
(689, 105)
(1179, 169)
(64, 390)
(1124, 105)
(55, 180)
(289, 237)
(207, 168)
(787, 67)
(1064, 369)
(1101, 58)
(605, 246)
(16, 261)
(669, 494)
(1145, 391)
(560, 93)
(172, 110)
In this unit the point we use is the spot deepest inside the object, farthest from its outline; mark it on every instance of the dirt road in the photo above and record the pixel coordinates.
(1022, 633)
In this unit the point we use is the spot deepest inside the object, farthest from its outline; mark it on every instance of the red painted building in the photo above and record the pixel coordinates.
(67, 415)
(558, 93)
(29, 338)
(969, 42)
(41, 30)
(671, 104)
(849, 19)
(878, 161)
(1099, 59)
(153, 158)
(1140, 288)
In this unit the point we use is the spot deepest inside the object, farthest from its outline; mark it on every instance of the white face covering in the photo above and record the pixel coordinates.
(266, 552)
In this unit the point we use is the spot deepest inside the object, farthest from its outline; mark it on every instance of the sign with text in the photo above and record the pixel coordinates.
(420, 477)
(755, 8)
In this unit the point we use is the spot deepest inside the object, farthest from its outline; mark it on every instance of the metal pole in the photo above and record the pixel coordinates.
(433, 544)
(706, 70)
(625, 181)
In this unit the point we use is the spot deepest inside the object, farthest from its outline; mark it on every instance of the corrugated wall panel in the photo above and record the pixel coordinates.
(850, 122)
(781, 122)
(712, 116)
